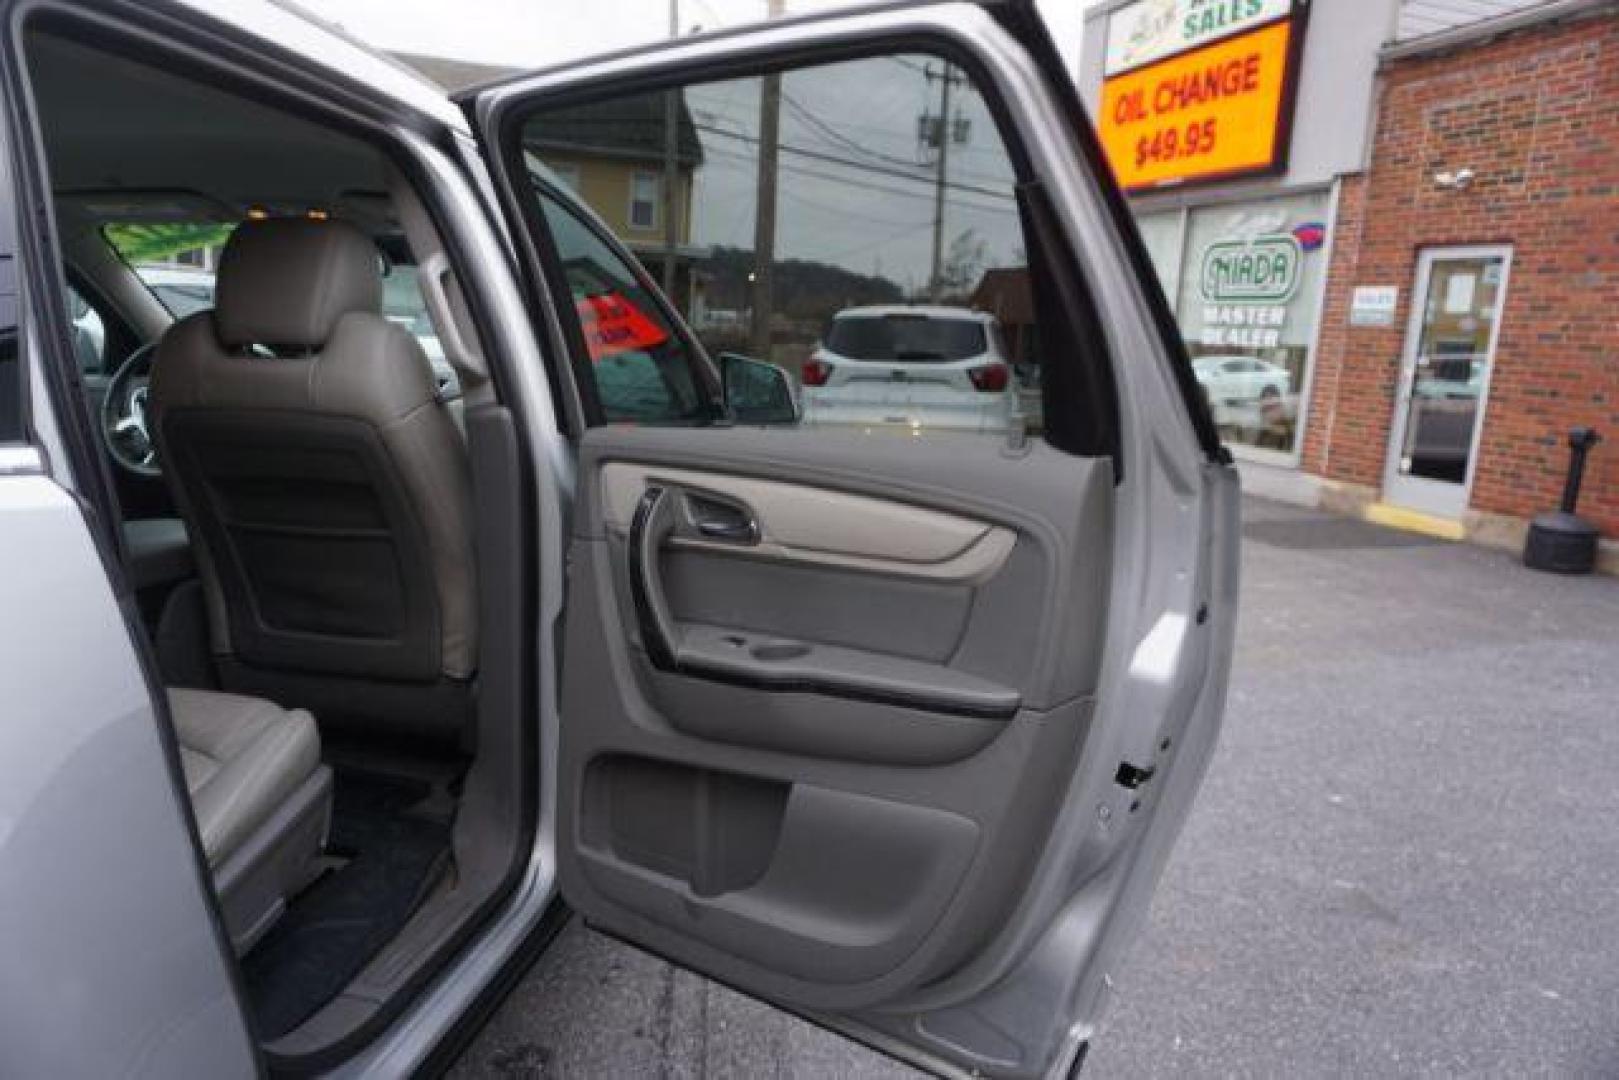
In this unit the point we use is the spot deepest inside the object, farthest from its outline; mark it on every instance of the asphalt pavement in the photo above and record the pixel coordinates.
(1405, 859)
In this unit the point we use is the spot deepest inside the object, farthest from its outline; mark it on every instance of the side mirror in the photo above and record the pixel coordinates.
(757, 392)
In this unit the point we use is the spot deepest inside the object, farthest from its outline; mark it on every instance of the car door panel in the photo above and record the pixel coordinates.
(900, 739)
(809, 834)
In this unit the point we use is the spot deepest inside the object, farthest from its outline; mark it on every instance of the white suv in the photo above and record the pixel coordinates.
(915, 367)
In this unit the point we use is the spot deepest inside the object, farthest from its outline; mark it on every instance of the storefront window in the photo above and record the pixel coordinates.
(1161, 233)
(1247, 303)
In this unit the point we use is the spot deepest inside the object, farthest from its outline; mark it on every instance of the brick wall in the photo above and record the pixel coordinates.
(1535, 115)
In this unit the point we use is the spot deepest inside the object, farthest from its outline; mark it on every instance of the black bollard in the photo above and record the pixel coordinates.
(1561, 541)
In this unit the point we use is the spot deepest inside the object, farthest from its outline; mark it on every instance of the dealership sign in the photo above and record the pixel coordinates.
(1246, 285)
(1150, 30)
(1264, 269)
(1197, 89)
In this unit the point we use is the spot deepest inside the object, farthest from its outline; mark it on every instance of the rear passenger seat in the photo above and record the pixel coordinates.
(262, 800)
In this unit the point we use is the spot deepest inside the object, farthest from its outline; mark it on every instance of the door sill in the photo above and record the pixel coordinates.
(1402, 517)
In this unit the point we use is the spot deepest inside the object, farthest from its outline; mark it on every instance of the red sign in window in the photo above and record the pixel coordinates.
(613, 325)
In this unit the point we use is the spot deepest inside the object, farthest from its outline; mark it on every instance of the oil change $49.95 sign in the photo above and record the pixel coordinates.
(1215, 110)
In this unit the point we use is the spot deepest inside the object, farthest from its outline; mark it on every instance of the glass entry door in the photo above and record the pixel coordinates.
(1444, 373)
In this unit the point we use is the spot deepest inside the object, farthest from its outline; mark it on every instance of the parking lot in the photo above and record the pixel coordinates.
(1405, 859)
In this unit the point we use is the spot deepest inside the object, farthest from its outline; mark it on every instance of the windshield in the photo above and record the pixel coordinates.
(177, 262)
(905, 337)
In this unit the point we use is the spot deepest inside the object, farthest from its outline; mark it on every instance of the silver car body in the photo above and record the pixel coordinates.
(116, 962)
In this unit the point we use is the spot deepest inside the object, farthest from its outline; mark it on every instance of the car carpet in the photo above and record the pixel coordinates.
(339, 923)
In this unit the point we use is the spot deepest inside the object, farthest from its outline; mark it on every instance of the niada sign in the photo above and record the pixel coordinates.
(1150, 30)
(1264, 269)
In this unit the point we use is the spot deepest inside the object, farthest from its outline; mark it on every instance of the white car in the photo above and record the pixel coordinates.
(910, 366)
(1242, 380)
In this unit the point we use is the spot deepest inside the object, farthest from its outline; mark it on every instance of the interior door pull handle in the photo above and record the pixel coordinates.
(654, 520)
(737, 532)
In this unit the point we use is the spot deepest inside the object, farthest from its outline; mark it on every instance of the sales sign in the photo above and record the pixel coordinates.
(1150, 30)
(1216, 110)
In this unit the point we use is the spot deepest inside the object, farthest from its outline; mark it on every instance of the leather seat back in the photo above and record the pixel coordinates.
(323, 481)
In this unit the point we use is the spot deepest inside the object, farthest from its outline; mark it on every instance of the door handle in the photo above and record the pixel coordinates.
(745, 531)
(653, 522)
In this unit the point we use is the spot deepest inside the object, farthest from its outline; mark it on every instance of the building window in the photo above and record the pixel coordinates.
(644, 198)
(1245, 280)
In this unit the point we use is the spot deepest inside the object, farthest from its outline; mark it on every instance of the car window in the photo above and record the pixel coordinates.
(89, 331)
(860, 210)
(640, 369)
(177, 262)
(174, 259)
(11, 385)
(905, 337)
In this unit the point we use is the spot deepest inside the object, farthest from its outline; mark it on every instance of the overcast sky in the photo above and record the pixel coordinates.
(857, 188)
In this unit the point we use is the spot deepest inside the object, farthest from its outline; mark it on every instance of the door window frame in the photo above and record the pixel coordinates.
(1405, 384)
(519, 346)
(1091, 372)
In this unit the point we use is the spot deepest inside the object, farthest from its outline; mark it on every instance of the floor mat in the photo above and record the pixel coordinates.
(344, 919)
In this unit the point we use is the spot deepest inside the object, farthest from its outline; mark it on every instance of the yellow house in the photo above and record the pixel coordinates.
(614, 155)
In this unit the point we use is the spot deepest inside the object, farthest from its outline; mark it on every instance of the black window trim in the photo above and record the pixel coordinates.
(705, 375)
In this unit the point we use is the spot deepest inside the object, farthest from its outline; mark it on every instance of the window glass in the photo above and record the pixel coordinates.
(177, 262)
(852, 225)
(641, 369)
(904, 336)
(644, 200)
(11, 388)
(567, 174)
(1249, 283)
(1161, 234)
(1244, 279)
(89, 331)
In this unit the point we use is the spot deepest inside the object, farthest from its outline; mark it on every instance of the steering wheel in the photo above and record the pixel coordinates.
(124, 414)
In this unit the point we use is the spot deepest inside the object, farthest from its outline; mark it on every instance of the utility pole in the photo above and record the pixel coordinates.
(671, 172)
(941, 133)
(764, 224)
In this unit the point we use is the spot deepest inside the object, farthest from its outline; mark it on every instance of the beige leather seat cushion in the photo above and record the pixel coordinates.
(243, 758)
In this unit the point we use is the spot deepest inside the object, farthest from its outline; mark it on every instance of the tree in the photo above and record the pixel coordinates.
(150, 242)
(962, 266)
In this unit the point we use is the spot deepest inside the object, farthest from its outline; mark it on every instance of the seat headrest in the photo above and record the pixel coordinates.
(287, 281)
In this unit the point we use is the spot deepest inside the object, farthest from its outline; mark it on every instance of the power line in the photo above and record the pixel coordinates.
(833, 159)
(907, 231)
(997, 152)
(841, 139)
(867, 185)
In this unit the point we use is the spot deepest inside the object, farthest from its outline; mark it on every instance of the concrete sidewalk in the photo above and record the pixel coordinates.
(1405, 859)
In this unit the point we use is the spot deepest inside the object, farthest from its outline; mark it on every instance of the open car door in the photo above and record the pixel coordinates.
(890, 721)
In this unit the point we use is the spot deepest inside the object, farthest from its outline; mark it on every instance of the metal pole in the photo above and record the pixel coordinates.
(671, 172)
(935, 285)
(764, 224)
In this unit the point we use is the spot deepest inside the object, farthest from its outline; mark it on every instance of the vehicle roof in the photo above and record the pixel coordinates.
(931, 311)
(294, 28)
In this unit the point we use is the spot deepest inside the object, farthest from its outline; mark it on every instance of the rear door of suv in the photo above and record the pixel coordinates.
(890, 726)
